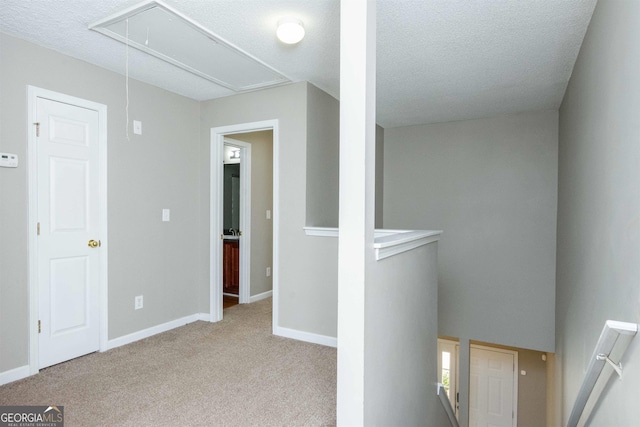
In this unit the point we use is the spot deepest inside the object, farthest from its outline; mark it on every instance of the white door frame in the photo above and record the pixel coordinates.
(515, 374)
(244, 289)
(32, 162)
(218, 135)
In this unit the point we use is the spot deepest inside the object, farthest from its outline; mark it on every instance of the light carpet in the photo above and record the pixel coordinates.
(230, 373)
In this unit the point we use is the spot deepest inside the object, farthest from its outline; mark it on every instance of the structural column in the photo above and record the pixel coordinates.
(357, 182)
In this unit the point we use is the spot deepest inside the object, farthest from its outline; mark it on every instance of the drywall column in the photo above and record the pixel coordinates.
(357, 178)
(464, 358)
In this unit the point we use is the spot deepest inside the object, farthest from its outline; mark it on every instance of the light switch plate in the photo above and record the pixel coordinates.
(137, 127)
(166, 215)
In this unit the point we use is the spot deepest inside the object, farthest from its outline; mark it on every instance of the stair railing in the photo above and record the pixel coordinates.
(444, 399)
(610, 348)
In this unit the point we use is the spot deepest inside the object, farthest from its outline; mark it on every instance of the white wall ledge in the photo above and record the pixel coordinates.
(396, 243)
(321, 231)
(386, 242)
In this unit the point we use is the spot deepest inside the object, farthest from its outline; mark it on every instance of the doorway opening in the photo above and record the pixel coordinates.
(236, 222)
(448, 370)
(253, 236)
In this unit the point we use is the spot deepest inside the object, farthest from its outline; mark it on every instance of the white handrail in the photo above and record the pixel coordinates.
(444, 399)
(608, 349)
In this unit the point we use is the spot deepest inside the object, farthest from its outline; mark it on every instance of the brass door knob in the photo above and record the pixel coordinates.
(94, 243)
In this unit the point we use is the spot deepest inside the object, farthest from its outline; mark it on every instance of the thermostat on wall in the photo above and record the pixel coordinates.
(8, 160)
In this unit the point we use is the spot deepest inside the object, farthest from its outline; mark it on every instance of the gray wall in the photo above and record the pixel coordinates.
(307, 265)
(599, 207)
(261, 200)
(379, 202)
(323, 158)
(490, 184)
(146, 256)
(401, 335)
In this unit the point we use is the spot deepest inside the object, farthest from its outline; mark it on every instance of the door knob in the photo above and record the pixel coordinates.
(94, 243)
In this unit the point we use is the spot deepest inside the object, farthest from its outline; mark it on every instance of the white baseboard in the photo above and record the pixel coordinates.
(261, 296)
(16, 374)
(146, 333)
(306, 336)
(23, 371)
(205, 317)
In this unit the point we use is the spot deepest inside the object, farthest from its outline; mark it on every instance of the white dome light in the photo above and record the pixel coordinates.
(290, 30)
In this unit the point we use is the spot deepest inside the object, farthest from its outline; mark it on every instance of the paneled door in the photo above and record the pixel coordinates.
(68, 225)
(491, 387)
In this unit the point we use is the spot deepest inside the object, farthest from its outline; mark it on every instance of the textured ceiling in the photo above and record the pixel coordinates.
(438, 60)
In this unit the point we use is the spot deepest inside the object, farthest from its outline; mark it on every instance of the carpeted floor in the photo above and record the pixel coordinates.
(230, 373)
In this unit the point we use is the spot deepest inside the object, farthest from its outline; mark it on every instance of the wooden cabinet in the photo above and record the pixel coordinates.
(231, 267)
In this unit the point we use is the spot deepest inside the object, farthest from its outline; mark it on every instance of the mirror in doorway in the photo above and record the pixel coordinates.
(231, 220)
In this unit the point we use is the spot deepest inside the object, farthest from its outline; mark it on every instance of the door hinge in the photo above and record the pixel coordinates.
(38, 229)
(39, 327)
(37, 125)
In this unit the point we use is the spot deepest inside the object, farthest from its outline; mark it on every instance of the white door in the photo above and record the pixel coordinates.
(67, 212)
(491, 387)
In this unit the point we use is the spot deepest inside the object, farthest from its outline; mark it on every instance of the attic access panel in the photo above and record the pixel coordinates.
(161, 31)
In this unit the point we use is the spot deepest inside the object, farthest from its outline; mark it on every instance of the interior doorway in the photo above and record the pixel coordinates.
(254, 232)
(236, 222)
(448, 370)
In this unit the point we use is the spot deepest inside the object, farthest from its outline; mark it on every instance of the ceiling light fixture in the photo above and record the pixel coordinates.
(290, 30)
